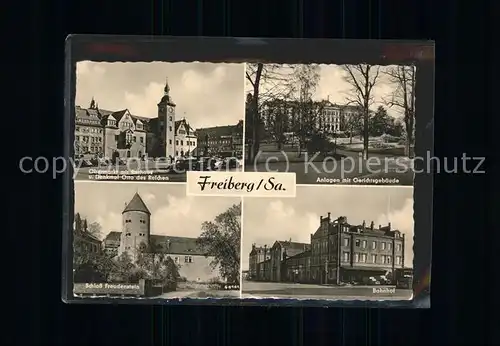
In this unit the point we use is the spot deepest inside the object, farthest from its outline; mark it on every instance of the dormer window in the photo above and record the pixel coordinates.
(129, 137)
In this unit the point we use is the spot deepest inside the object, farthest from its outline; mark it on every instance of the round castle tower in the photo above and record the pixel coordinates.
(136, 226)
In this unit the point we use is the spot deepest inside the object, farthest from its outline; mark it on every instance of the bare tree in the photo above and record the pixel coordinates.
(362, 78)
(277, 121)
(268, 82)
(305, 81)
(403, 77)
(353, 124)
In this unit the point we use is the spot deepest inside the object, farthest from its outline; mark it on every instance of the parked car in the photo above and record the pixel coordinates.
(229, 163)
(206, 164)
(186, 164)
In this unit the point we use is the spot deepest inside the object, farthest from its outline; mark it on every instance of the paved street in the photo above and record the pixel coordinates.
(350, 169)
(135, 171)
(290, 290)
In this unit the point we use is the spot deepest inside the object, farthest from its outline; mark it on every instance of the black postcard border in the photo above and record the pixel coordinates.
(268, 50)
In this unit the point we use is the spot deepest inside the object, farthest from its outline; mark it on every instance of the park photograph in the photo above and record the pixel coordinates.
(153, 241)
(331, 123)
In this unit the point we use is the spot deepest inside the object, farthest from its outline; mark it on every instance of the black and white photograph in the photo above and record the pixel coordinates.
(152, 241)
(338, 243)
(155, 121)
(331, 124)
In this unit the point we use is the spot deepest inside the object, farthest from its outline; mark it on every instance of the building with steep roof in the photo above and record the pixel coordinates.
(219, 139)
(279, 252)
(111, 134)
(193, 262)
(344, 252)
(339, 252)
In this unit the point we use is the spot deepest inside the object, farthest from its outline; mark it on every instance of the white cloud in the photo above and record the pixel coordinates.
(278, 222)
(142, 104)
(402, 220)
(111, 221)
(87, 68)
(206, 94)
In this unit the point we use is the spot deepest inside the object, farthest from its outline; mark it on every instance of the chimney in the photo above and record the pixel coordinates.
(253, 246)
(389, 225)
(379, 226)
(371, 225)
(290, 240)
(364, 224)
(329, 214)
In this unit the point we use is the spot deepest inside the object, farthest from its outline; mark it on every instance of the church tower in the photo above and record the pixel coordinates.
(166, 116)
(136, 226)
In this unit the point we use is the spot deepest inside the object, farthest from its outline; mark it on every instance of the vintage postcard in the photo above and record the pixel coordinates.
(156, 121)
(286, 178)
(348, 243)
(332, 124)
(152, 241)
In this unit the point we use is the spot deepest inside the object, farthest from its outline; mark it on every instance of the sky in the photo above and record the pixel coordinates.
(207, 94)
(266, 220)
(332, 86)
(172, 212)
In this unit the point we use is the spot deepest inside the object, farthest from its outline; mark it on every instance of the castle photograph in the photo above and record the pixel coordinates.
(150, 240)
(157, 119)
(337, 243)
(340, 124)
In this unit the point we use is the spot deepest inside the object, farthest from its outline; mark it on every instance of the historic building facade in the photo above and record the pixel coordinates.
(339, 252)
(194, 265)
(214, 140)
(280, 116)
(111, 134)
(258, 255)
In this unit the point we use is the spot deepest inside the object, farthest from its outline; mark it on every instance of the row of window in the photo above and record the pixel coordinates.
(363, 244)
(216, 141)
(87, 139)
(130, 138)
(85, 149)
(127, 125)
(372, 258)
(140, 234)
(190, 143)
(331, 113)
(140, 221)
(187, 259)
(89, 121)
(88, 129)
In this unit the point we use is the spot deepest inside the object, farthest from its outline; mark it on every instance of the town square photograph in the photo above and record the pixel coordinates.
(331, 124)
(340, 242)
(152, 241)
(155, 121)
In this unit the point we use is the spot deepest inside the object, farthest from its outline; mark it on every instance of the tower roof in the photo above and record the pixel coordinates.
(136, 204)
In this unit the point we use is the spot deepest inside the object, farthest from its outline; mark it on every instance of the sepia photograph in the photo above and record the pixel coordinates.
(331, 124)
(152, 241)
(155, 121)
(339, 243)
